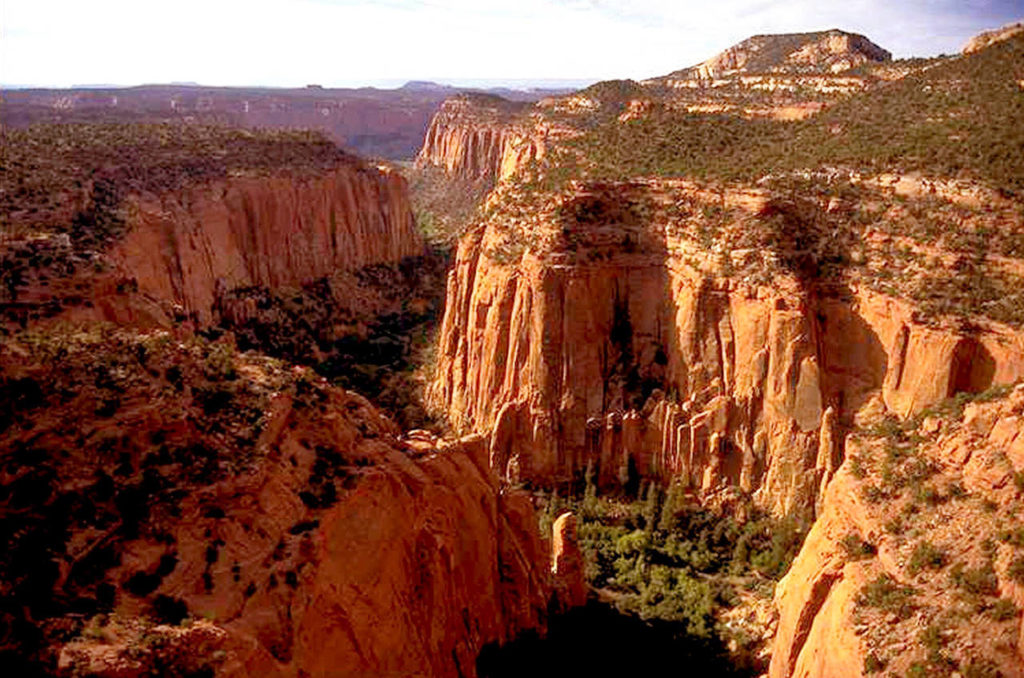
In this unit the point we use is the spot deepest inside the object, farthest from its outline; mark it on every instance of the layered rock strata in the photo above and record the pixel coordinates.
(190, 247)
(621, 353)
(475, 139)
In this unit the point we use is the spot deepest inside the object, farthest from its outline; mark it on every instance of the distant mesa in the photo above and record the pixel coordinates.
(425, 86)
(823, 53)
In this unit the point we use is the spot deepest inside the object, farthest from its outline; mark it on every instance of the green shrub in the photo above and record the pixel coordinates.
(1016, 570)
(872, 664)
(981, 580)
(856, 548)
(886, 594)
(982, 668)
(926, 555)
(1003, 610)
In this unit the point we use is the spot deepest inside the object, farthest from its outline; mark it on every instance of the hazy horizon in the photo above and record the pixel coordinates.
(354, 43)
(386, 84)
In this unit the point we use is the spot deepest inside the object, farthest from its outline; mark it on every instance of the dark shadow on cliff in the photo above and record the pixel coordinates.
(367, 332)
(598, 640)
(973, 367)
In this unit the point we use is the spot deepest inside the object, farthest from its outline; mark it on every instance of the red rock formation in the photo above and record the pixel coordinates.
(326, 546)
(633, 359)
(567, 561)
(828, 628)
(475, 138)
(186, 248)
(183, 249)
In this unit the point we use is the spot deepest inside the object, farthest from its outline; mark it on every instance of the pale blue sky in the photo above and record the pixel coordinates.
(351, 42)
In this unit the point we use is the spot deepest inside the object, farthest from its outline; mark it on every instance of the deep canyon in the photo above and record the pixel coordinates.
(697, 373)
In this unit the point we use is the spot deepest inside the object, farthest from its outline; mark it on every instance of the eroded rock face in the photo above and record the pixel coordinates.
(875, 573)
(567, 561)
(183, 250)
(632, 359)
(188, 248)
(471, 138)
(316, 542)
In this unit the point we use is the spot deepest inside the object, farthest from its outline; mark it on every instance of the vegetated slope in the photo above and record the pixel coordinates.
(702, 580)
(171, 506)
(960, 118)
(916, 565)
(50, 170)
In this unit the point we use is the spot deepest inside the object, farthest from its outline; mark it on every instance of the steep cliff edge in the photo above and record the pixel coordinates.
(485, 138)
(190, 248)
(916, 560)
(146, 223)
(662, 329)
(290, 515)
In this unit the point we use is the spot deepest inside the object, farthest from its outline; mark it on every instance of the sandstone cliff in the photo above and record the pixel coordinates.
(183, 251)
(140, 224)
(478, 138)
(190, 247)
(610, 338)
(916, 559)
(290, 515)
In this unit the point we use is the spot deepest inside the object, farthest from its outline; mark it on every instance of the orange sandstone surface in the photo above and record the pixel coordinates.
(917, 556)
(619, 347)
(294, 518)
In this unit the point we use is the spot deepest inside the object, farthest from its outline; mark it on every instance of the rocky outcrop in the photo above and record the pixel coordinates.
(828, 52)
(890, 564)
(290, 515)
(478, 139)
(186, 249)
(613, 348)
(567, 563)
(987, 38)
(181, 252)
